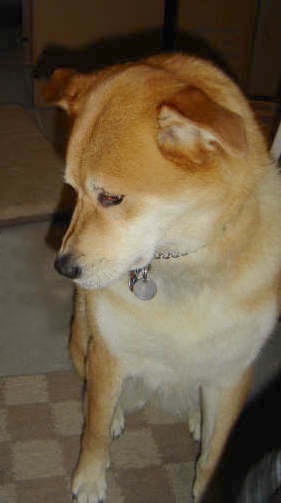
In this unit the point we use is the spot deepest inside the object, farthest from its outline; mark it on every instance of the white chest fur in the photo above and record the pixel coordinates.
(185, 333)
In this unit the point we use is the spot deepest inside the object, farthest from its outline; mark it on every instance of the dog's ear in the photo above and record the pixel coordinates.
(192, 124)
(66, 87)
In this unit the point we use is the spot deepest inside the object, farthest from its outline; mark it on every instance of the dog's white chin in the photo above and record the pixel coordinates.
(90, 281)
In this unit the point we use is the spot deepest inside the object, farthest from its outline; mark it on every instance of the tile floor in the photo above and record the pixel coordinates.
(153, 461)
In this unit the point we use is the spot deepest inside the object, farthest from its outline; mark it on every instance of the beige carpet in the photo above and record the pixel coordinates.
(40, 426)
(30, 170)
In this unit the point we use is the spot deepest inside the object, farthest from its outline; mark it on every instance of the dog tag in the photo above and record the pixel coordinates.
(145, 289)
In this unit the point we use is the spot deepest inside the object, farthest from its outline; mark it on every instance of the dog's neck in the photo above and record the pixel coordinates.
(142, 276)
(167, 254)
(140, 280)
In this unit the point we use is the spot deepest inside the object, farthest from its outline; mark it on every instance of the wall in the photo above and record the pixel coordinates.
(74, 23)
(265, 76)
(245, 33)
(228, 25)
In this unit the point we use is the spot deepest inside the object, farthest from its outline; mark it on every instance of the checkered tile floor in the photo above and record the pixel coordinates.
(40, 425)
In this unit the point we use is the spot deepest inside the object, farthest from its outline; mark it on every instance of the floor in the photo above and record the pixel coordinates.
(35, 303)
(31, 175)
(152, 462)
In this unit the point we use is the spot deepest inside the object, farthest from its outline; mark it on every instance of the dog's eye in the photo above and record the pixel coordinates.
(109, 200)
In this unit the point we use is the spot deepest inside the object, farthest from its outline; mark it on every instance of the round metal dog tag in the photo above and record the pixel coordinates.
(145, 289)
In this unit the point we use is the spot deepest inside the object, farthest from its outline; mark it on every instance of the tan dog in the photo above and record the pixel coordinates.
(170, 170)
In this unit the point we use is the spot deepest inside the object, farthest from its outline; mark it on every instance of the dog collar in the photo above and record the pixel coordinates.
(171, 254)
(140, 282)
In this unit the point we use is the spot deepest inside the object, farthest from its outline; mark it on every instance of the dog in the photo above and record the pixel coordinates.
(174, 247)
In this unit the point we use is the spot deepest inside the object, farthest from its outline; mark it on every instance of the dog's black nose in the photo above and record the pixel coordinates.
(65, 265)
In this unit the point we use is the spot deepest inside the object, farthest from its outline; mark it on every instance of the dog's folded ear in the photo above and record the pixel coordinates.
(66, 87)
(192, 124)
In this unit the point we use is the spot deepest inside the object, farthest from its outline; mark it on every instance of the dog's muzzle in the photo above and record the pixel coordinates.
(65, 265)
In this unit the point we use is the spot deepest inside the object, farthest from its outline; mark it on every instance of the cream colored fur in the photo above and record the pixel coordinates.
(196, 177)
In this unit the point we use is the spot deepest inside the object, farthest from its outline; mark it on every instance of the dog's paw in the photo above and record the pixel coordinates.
(118, 423)
(194, 423)
(89, 484)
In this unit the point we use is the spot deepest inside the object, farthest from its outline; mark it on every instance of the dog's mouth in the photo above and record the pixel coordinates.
(106, 272)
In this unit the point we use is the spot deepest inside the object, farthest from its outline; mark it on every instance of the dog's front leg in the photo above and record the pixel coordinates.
(103, 386)
(220, 408)
(80, 333)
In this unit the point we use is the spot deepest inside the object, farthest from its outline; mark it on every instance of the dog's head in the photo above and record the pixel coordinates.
(150, 157)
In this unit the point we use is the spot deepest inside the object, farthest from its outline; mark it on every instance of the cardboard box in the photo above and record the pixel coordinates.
(265, 75)
(227, 26)
(242, 35)
(91, 33)
(72, 23)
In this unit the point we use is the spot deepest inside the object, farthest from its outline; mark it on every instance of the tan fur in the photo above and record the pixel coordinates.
(177, 139)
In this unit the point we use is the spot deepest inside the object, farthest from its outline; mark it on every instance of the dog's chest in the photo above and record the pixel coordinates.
(171, 335)
(187, 332)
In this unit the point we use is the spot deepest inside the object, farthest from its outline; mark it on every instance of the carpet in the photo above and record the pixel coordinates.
(31, 172)
(40, 427)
